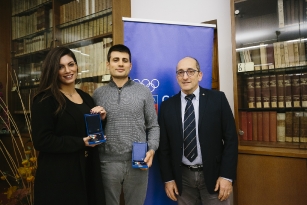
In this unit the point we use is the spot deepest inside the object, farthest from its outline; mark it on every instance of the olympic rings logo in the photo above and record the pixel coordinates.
(152, 85)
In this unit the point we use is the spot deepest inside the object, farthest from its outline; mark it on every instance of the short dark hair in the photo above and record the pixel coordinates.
(120, 48)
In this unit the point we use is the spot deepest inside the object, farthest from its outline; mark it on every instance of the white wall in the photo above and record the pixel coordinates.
(196, 11)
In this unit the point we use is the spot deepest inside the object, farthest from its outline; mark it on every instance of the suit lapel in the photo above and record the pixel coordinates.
(203, 99)
(178, 112)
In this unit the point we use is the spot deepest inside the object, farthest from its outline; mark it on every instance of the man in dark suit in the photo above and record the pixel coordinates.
(198, 142)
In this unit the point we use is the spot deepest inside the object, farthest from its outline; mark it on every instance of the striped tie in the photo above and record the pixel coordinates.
(189, 133)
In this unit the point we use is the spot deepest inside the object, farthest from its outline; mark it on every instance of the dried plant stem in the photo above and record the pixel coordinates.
(9, 161)
(13, 138)
(5, 178)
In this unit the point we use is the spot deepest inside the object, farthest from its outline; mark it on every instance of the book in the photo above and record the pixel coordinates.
(255, 55)
(251, 92)
(291, 53)
(303, 127)
(280, 91)
(281, 20)
(303, 85)
(281, 127)
(296, 53)
(258, 92)
(296, 126)
(286, 54)
(273, 126)
(288, 90)
(266, 126)
(259, 127)
(273, 91)
(263, 57)
(270, 56)
(277, 55)
(282, 54)
(243, 124)
(255, 127)
(302, 56)
(288, 126)
(296, 93)
(265, 91)
(249, 126)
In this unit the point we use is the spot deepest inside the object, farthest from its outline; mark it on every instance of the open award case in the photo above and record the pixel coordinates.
(94, 128)
(139, 150)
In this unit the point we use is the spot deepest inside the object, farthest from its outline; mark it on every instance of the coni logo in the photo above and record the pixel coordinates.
(151, 84)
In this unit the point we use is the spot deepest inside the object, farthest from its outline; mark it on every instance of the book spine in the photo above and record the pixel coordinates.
(288, 125)
(255, 127)
(280, 91)
(259, 127)
(296, 93)
(296, 126)
(303, 85)
(273, 91)
(263, 57)
(270, 56)
(251, 91)
(273, 126)
(249, 126)
(258, 92)
(281, 20)
(265, 91)
(288, 90)
(266, 126)
(243, 124)
(303, 128)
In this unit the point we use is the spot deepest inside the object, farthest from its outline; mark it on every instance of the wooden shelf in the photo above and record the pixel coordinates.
(272, 151)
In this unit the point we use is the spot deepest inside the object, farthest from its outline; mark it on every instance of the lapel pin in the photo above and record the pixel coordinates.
(203, 93)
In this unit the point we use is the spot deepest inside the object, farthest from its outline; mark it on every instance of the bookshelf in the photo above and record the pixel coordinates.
(87, 27)
(270, 70)
(271, 59)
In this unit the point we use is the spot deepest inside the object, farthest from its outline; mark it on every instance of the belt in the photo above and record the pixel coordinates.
(194, 168)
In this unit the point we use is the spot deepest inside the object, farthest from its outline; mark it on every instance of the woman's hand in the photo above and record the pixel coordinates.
(99, 110)
(86, 139)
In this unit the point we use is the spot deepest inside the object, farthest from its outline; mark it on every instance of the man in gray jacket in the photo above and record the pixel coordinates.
(131, 117)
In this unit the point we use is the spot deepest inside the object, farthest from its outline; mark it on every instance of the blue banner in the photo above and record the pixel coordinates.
(156, 49)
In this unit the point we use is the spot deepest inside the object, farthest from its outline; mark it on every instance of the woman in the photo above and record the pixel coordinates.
(68, 167)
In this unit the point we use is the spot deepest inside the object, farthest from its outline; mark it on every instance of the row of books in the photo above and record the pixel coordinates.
(273, 56)
(92, 58)
(19, 6)
(270, 126)
(81, 8)
(291, 12)
(277, 91)
(29, 24)
(29, 45)
(87, 29)
(91, 61)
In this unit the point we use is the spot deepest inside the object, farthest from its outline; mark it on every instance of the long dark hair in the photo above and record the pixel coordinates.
(49, 83)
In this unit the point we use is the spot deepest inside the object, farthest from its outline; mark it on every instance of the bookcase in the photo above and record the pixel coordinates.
(270, 75)
(271, 55)
(87, 27)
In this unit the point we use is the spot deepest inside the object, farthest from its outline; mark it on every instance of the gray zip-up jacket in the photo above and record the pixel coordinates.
(130, 116)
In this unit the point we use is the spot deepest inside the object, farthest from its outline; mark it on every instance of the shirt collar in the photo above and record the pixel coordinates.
(196, 93)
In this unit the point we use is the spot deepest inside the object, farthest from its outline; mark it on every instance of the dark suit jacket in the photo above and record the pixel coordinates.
(217, 138)
(62, 164)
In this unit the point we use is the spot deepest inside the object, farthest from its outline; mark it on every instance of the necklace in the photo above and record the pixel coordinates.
(69, 94)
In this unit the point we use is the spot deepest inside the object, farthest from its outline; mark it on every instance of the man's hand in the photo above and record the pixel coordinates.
(225, 188)
(149, 157)
(171, 190)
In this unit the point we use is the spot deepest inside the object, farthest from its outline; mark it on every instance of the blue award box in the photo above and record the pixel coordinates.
(139, 150)
(94, 128)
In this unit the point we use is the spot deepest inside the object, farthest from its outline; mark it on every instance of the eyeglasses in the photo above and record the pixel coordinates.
(189, 72)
